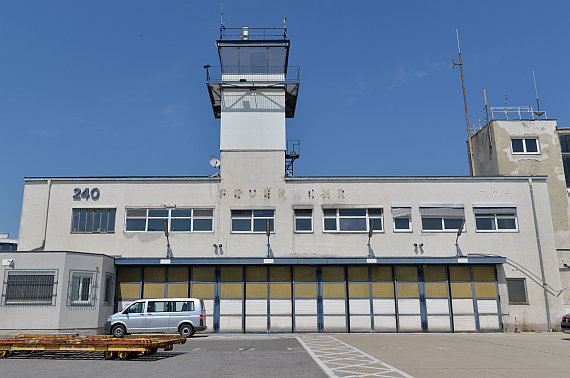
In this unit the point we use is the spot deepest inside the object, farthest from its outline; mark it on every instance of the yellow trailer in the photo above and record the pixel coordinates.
(123, 348)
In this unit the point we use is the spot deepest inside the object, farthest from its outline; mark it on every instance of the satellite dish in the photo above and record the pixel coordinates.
(215, 162)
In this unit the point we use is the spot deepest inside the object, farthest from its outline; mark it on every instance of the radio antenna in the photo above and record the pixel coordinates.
(535, 91)
(460, 64)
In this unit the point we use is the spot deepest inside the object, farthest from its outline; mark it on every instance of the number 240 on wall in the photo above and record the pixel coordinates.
(94, 194)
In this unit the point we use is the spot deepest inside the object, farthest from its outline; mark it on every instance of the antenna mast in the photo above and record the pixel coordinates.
(535, 91)
(460, 64)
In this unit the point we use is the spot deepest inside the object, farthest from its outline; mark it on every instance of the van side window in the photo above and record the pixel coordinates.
(136, 308)
(183, 306)
(155, 306)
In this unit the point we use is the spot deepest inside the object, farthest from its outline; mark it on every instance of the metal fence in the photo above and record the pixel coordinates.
(506, 113)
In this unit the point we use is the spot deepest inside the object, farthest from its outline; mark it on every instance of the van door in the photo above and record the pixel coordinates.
(182, 311)
(134, 317)
(157, 315)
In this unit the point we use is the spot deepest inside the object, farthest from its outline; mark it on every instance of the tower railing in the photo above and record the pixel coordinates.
(253, 74)
(257, 34)
(506, 113)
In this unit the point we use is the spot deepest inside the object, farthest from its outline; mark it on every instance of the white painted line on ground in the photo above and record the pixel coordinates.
(339, 359)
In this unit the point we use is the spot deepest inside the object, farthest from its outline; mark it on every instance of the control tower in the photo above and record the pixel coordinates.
(252, 92)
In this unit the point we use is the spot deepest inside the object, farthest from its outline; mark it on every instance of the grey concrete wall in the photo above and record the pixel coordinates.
(62, 316)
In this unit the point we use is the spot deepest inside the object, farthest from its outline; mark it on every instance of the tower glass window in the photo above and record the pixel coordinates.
(303, 220)
(352, 220)
(178, 220)
(441, 218)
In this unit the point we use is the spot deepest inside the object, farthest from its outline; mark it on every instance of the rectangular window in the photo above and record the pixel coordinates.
(442, 218)
(252, 220)
(524, 145)
(352, 220)
(495, 219)
(80, 290)
(8, 246)
(158, 306)
(93, 221)
(30, 287)
(402, 217)
(516, 288)
(108, 288)
(303, 220)
(178, 220)
(182, 306)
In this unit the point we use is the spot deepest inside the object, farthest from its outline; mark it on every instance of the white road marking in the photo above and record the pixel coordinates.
(339, 359)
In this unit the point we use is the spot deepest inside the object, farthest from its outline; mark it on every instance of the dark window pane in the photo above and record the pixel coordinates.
(377, 224)
(431, 224)
(158, 213)
(179, 225)
(75, 222)
(105, 220)
(517, 145)
(85, 288)
(566, 163)
(531, 145)
(375, 212)
(155, 225)
(186, 213)
(564, 142)
(136, 212)
(485, 222)
(241, 213)
(241, 225)
(352, 224)
(330, 224)
(183, 306)
(352, 212)
(97, 220)
(260, 225)
(452, 223)
(136, 224)
(329, 212)
(263, 213)
(89, 221)
(303, 212)
(82, 220)
(516, 290)
(203, 213)
(402, 223)
(157, 306)
(111, 223)
(506, 223)
(202, 225)
(136, 308)
(303, 224)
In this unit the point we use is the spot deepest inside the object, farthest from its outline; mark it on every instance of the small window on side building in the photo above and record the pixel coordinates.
(524, 145)
(402, 217)
(516, 288)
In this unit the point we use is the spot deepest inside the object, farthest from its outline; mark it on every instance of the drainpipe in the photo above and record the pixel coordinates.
(41, 247)
(540, 255)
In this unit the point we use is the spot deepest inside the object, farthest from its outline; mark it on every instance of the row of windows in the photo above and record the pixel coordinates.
(257, 221)
(40, 287)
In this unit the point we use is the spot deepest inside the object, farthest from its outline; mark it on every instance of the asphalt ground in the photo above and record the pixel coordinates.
(318, 355)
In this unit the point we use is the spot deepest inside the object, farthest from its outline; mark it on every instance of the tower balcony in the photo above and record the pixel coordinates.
(253, 78)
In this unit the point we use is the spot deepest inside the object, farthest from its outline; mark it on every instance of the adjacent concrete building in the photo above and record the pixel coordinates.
(272, 252)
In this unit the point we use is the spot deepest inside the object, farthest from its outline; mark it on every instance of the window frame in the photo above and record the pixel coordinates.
(252, 219)
(525, 152)
(24, 302)
(109, 288)
(443, 229)
(169, 218)
(100, 209)
(409, 218)
(295, 217)
(496, 217)
(525, 290)
(82, 274)
(367, 217)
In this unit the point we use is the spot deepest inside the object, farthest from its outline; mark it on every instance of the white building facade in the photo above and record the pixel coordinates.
(270, 252)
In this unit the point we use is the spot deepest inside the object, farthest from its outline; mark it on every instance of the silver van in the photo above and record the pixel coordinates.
(167, 315)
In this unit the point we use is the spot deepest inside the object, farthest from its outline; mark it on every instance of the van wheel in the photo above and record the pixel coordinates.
(186, 330)
(118, 331)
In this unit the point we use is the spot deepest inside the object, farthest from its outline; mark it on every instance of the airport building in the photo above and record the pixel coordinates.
(269, 251)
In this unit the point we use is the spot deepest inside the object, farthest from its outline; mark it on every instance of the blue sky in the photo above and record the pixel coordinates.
(107, 88)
